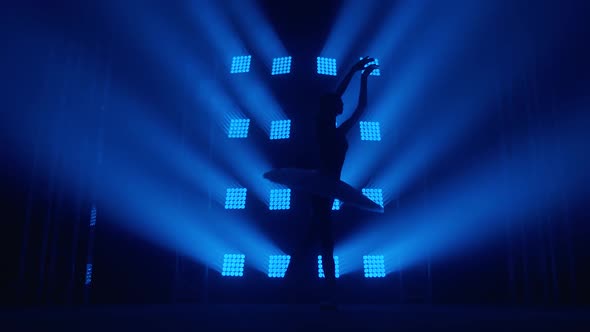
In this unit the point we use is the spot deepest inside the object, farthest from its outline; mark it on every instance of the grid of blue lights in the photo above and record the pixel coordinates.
(88, 278)
(280, 199)
(281, 65)
(370, 131)
(326, 66)
(233, 265)
(241, 64)
(374, 194)
(235, 198)
(321, 267)
(93, 216)
(336, 205)
(277, 265)
(376, 71)
(374, 266)
(280, 129)
(238, 128)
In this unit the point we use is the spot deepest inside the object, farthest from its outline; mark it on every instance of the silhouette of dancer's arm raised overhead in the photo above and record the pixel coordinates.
(346, 80)
(362, 103)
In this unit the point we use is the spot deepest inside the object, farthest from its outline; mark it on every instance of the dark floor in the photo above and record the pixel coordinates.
(278, 318)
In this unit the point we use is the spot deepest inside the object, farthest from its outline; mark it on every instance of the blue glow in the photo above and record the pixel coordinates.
(252, 161)
(150, 203)
(374, 266)
(233, 265)
(214, 23)
(375, 72)
(246, 162)
(88, 278)
(219, 30)
(396, 30)
(374, 194)
(238, 128)
(280, 199)
(277, 265)
(408, 82)
(326, 66)
(469, 207)
(250, 90)
(281, 65)
(182, 226)
(280, 129)
(241, 64)
(321, 267)
(93, 216)
(336, 205)
(252, 25)
(370, 131)
(350, 26)
(235, 198)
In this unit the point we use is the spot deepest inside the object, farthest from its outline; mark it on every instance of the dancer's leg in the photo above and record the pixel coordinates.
(300, 270)
(324, 223)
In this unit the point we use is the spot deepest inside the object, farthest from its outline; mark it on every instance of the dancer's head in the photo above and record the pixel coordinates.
(331, 104)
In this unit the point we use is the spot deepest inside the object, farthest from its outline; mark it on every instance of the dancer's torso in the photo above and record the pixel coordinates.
(332, 148)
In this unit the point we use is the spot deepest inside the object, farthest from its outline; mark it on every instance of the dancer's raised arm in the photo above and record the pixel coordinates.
(362, 103)
(346, 80)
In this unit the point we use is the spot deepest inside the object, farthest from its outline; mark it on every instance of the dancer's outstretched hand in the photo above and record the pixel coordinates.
(369, 70)
(362, 63)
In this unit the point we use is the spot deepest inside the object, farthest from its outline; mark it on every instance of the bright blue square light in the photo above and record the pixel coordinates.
(281, 65)
(374, 194)
(280, 129)
(241, 64)
(233, 265)
(238, 128)
(370, 131)
(375, 72)
(374, 266)
(337, 204)
(235, 198)
(326, 66)
(321, 267)
(280, 199)
(277, 265)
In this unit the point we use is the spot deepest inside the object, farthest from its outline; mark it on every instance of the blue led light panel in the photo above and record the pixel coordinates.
(241, 64)
(280, 199)
(336, 205)
(374, 194)
(326, 66)
(280, 129)
(235, 198)
(238, 128)
(375, 72)
(277, 265)
(281, 65)
(93, 216)
(88, 278)
(233, 265)
(321, 267)
(374, 266)
(370, 131)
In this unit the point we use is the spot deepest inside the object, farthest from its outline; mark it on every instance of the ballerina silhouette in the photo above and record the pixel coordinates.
(333, 145)
(323, 183)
